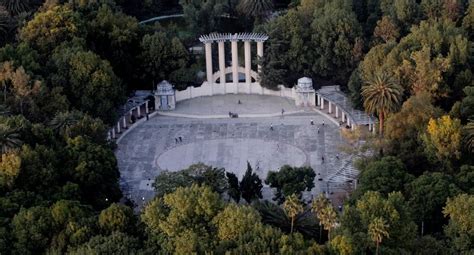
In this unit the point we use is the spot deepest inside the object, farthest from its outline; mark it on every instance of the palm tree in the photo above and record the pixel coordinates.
(9, 138)
(328, 219)
(317, 207)
(274, 215)
(319, 203)
(378, 229)
(63, 121)
(255, 8)
(382, 95)
(469, 136)
(293, 207)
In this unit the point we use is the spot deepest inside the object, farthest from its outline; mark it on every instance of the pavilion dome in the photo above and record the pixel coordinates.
(305, 84)
(164, 88)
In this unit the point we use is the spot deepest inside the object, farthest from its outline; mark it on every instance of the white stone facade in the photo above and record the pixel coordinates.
(306, 95)
(165, 98)
(208, 89)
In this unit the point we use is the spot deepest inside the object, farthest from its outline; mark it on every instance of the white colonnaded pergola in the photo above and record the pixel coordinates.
(221, 39)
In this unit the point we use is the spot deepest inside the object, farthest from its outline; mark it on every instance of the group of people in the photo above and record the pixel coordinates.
(178, 139)
(312, 122)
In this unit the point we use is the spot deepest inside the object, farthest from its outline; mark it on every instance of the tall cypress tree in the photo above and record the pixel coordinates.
(251, 185)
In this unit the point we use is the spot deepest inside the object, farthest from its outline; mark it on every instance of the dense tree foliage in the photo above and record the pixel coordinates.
(290, 181)
(50, 28)
(323, 42)
(202, 16)
(65, 68)
(161, 57)
(460, 229)
(215, 178)
(385, 176)
(393, 210)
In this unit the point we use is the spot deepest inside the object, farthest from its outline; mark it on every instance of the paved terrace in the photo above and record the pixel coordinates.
(150, 147)
(250, 105)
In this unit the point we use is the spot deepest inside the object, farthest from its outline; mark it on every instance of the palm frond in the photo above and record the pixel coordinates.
(9, 139)
(255, 8)
(381, 94)
(63, 120)
(469, 136)
(16, 6)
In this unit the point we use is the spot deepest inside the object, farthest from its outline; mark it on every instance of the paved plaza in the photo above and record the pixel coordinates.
(223, 104)
(151, 147)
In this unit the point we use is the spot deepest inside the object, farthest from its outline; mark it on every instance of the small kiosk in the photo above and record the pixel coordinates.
(306, 95)
(165, 99)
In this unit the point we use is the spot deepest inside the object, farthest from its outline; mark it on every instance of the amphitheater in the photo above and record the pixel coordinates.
(297, 126)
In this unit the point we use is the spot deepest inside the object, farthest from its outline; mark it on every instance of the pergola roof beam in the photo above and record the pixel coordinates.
(219, 37)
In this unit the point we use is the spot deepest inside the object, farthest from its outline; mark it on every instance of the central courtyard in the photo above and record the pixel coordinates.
(266, 142)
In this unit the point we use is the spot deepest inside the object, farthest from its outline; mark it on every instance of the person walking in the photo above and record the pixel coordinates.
(271, 127)
(312, 122)
(282, 111)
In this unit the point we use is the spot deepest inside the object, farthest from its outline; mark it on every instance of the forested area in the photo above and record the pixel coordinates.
(66, 68)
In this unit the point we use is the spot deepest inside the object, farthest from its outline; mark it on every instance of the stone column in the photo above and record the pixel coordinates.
(139, 112)
(235, 62)
(222, 63)
(259, 54)
(208, 48)
(330, 107)
(108, 136)
(146, 107)
(319, 100)
(343, 115)
(118, 127)
(125, 121)
(113, 133)
(248, 63)
(337, 112)
(157, 103)
(322, 103)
